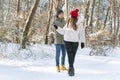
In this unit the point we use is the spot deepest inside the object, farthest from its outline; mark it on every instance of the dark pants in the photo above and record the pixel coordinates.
(71, 48)
(59, 48)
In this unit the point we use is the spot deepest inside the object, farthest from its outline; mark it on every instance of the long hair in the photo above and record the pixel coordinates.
(73, 22)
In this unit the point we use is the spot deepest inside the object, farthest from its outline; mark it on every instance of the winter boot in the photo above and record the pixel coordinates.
(58, 68)
(71, 72)
(63, 68)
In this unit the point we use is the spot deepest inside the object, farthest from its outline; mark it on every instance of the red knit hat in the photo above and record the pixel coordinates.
(74, 13)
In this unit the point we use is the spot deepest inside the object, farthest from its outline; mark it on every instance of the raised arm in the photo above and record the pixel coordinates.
(60, 30)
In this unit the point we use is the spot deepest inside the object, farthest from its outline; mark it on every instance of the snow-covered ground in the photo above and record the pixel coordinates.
(37, 63)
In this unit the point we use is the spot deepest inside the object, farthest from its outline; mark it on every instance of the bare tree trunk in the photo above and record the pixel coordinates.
(86, 18)
(98, 13)
(1, 13)
(92, 13)
(114, 18)
(118, 19)
(16, 37)
(111, 14)
(48, 22)
(59, 4)
(49, 3)
(66, 9)
(115, 36)
(106, 17)
(117, 22)
(117, 31)
(18, 6)
(28, 23)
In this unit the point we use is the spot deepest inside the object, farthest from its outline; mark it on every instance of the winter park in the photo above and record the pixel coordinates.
(59, 39)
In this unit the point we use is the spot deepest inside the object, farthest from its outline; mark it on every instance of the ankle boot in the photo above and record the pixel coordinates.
(63, 68)
(71, 72)
(58, 68)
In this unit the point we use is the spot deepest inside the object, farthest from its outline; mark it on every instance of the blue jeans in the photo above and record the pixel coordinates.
(59, 48)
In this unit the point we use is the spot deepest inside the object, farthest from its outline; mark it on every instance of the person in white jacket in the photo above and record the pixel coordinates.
(74, 34)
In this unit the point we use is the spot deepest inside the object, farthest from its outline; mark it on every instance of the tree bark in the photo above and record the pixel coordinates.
(86, 18)
(16, 37)
(98, 13)
(66, 10)
(18, 7)
(92, 13)
(117, 22)
(111, 15)
(48, 22)
(28, 23)
(114, 11)
(106, 16)
(1, 13)
(59, 3)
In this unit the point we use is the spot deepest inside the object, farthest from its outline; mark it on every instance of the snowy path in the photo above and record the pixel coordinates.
(87, 68)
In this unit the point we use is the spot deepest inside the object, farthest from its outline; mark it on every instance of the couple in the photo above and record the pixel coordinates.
(68, 37)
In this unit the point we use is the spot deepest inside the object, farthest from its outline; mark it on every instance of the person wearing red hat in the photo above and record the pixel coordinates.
(74, 34)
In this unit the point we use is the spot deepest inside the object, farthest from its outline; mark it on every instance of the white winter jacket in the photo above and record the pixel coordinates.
(71, 35)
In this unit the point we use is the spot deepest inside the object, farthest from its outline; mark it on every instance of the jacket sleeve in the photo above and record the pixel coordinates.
(52, 27)
(61, 31)
(82, 34)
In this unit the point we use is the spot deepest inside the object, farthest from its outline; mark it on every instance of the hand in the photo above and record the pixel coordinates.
(55, 27)
(82, 45)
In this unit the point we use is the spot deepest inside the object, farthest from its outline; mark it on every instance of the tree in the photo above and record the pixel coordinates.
(98, 14)
(16, 37)
(1, 12)
(111, 16)
(106, 16)
(116, 20)
(18, 6)
(28, 23)
(87, 4)
(59, 3)
(66, 9)
(48, 22)
(92, 14)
